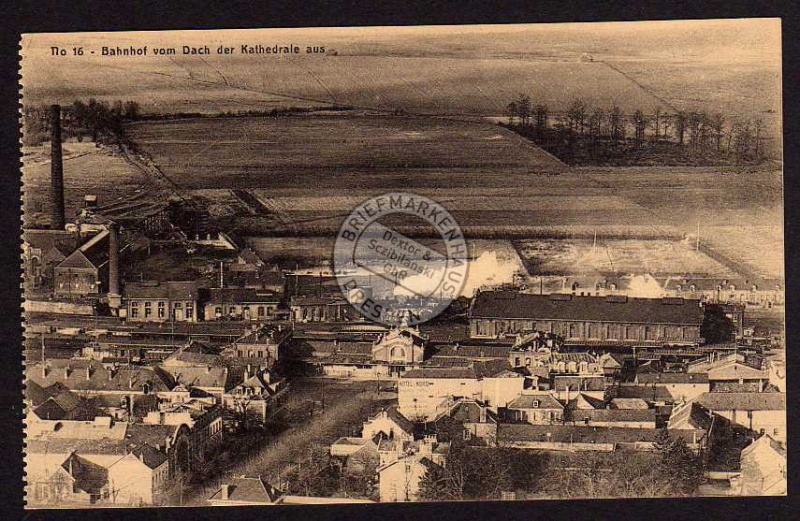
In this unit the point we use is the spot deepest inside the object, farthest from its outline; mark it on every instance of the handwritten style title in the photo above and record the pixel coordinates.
(187, 50)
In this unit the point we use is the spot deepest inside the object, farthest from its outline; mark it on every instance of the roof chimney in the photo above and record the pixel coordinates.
(114, 300)
(224, 492)
(56, 170)
(88, 372)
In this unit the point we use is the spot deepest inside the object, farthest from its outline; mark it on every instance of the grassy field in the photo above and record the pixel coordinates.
(732, 66)
(305, 151)
(419, 85)
(308, 172)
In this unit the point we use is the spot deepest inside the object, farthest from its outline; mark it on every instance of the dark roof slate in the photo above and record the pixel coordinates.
(510, 304)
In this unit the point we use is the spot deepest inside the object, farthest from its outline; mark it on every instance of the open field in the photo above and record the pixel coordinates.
(418, 85)
(303, 175)
(580, 257)
(731, 66)
(307, 172)
(761, 248)
(298, 151)
(87, 170)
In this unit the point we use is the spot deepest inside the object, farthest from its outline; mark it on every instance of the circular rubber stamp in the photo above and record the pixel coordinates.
(391, 278)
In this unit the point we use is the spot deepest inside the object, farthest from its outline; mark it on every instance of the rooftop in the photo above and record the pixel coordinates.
(574, 434)
(510, 304)
(535, 401)
(743, 401)
(671, 378)
(172, 290)
(242, 296)
(248, 490)
(91, 375)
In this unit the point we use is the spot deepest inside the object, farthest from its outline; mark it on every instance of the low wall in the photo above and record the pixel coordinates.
(41, 306)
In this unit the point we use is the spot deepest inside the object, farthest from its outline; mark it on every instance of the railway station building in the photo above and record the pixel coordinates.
(588, 320)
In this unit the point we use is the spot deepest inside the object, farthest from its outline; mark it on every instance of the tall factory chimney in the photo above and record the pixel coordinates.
(56, 170)
(114, 298)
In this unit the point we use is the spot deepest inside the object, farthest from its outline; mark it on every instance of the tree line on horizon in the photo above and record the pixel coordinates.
(597, 134)
(94, 120)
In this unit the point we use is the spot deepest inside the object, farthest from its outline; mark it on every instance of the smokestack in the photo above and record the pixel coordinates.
(114, 300)
(56, 170)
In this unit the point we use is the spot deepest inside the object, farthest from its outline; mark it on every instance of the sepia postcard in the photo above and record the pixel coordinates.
(403, 264)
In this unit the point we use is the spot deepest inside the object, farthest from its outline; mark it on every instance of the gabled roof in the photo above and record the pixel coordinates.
(50, 410)
(77, 260)
(89, 477)
(100, 378)
(401, 421)
(509, 304)
(765, 442)
(611, 360)
(690, 416)
(733, 370)
(38, 394)
(150, 456)
(535, 401)
(62, 240)
(249, 490)
(584, 402)
(743, 401)
(466, 410)
(407, 333)
(248, 256)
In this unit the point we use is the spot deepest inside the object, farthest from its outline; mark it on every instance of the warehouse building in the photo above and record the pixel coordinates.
(586, 320)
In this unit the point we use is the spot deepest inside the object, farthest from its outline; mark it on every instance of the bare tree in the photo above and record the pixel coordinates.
(617, 124)
(576, 115)
(717, 123)
(511, 111)
(639, 121)
(524, 109)
(541, 114)
(680, 126)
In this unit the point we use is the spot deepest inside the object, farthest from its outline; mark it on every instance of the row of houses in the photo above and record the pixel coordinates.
(136, 428)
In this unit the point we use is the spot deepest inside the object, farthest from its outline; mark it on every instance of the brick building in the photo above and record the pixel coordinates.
(161, 302)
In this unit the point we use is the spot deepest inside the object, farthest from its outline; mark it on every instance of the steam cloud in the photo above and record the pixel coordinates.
(484, 272)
